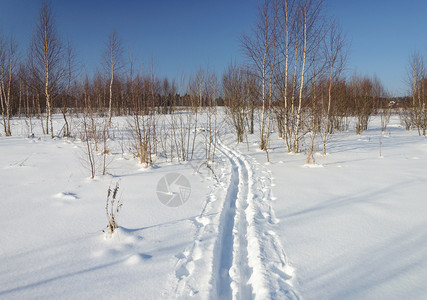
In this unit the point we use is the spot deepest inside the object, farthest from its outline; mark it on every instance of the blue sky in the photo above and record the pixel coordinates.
(382, 35)
(182, 35)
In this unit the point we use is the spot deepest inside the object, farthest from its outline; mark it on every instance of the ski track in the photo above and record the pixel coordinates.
(243, 257)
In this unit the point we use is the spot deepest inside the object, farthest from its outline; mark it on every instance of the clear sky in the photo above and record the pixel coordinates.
(183, 35)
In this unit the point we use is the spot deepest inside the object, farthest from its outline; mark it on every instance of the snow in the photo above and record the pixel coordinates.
(350, 226)
(52, 215)
(356, 227)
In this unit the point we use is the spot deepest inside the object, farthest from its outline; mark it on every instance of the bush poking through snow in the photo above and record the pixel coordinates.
(112, 208)
(209, 167)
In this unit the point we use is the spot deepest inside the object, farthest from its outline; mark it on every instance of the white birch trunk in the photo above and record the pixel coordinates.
(298, 121)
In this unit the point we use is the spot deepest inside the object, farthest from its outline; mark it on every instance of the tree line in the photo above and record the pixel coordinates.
(293, 82)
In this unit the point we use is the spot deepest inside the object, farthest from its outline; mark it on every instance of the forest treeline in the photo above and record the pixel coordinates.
(293, 81)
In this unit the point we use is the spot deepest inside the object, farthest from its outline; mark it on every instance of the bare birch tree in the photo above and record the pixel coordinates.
(311, 36)
(417, 80)
(236, 95)
(272, 73)
(8, 61)
(47, 52)
(258, 48)
(284, 45)
(70, 77)
(335, 58)
(112, 60)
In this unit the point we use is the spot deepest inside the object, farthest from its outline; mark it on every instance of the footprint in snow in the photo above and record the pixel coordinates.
(203, 221)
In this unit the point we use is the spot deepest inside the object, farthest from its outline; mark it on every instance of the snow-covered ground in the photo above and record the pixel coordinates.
(354, 227)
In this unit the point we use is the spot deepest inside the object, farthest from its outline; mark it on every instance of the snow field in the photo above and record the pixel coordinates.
(354, 226)
(351, 226)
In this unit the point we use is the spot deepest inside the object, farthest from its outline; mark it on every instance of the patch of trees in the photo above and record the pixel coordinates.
(297, 54)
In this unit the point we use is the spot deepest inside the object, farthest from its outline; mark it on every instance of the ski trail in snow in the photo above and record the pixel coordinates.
(232, 268)
(259, 268)
(194, 266)
(236, 254)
